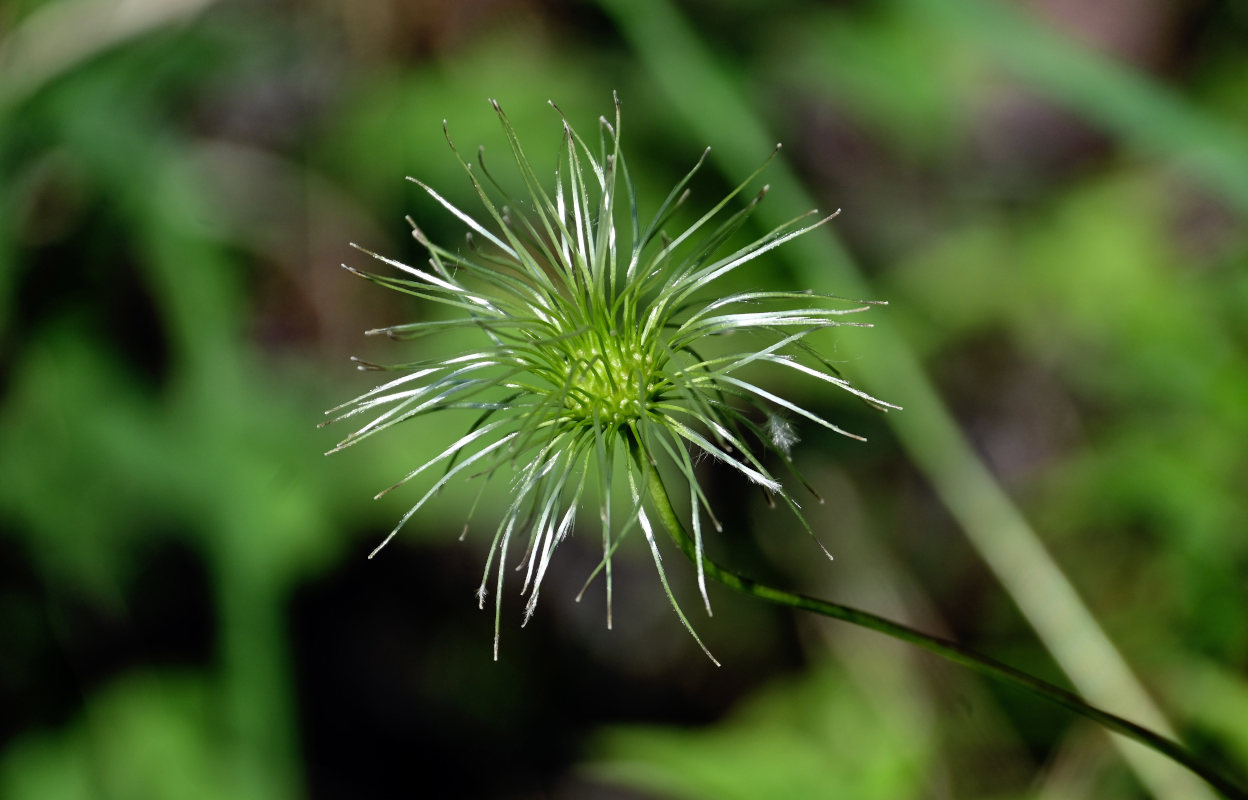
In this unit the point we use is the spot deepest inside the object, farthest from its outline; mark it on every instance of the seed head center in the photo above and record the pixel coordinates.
(610, 381)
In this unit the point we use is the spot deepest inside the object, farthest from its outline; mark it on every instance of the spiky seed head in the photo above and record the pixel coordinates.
(590, 362)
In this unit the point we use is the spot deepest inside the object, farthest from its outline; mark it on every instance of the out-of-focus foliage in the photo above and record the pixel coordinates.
(819, 737)
(157, 745)
(1052, 199)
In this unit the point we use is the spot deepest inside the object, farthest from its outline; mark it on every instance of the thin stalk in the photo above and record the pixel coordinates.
(944, 648)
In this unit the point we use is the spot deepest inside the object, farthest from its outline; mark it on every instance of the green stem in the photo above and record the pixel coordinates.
(942, 647)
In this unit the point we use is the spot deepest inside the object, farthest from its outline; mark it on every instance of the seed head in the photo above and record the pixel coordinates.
(591, 361)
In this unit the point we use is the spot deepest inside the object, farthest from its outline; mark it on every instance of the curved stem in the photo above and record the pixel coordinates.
(945, 648)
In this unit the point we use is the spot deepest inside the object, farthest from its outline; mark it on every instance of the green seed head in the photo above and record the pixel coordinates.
(589, 370)
(610, 381)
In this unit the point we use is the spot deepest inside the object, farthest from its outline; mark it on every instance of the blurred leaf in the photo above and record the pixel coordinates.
(811, 737)
(149, 737)
(1217, 699)
(393, 128)
(904, 82)
(1097, 291)
(1143, 114)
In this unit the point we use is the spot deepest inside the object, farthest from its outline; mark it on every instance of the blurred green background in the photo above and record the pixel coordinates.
(1051, 195)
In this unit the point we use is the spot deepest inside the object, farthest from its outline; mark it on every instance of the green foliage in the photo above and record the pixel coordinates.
(813, 737)
(1158, 470)
(149, 738)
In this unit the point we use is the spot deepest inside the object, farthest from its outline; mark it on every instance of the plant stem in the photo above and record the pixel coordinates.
(945, 648)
